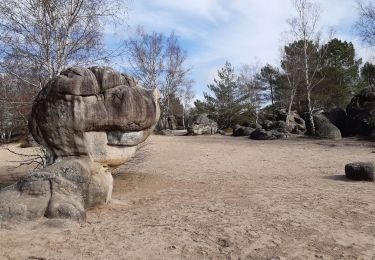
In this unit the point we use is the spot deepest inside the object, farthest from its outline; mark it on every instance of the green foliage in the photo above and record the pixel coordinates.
(368, 74)
(270, 77)
(225, 102)
(337, 77)
(340, 70)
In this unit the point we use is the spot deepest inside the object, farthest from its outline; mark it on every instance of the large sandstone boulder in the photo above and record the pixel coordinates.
(62, 190)
(361, 111)
(324, 128)
(87, 119)
(94, 112)
(339, 118)
(203, 126)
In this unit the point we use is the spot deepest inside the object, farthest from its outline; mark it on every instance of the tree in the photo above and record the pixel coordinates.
(54, 34)
(186, 96)
(252, 89)
(270, 76)
(146, 57)
(368, 73)
(292, 76)
(175, 72)
(304, 29)
(159, 62)
(366, 23)
(39, 38)
(225, 103)
(341, 74)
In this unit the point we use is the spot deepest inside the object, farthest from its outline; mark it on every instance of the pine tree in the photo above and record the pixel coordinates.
(226, 103)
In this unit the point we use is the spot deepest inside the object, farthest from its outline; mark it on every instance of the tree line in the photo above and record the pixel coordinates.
(40, 38)
(312, 75)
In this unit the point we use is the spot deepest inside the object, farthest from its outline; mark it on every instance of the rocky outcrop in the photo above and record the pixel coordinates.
(63, 190)
(242, 131)
(87, 119)
(262, 134)
(361, 112)
(339, 118)
(360, 171)
(203, 126)
(296, 123)
(94, 112)
(325, 129)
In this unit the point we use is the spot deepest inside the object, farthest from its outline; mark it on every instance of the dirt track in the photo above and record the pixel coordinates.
(219, 197)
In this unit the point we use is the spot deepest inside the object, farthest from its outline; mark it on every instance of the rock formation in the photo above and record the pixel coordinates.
(203, 126)
(361, 112)
(360, 171)
(324, 128)
(262, 134)
(86, 119)
(95, 112)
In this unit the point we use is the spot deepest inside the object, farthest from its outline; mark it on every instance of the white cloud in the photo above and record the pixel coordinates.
(214, 31)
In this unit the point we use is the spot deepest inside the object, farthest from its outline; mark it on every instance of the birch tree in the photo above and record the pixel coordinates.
(291, 67)
(159, 62)
(304, 28)
(145, 53)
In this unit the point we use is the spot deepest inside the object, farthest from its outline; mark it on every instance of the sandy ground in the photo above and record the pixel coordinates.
(219, 198)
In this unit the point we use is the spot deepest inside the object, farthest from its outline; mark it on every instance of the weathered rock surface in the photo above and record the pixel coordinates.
(339, 118)
(242, 131)
(361, 112)
(262, 134)
(90, 112)
(325, 129)
(296, 123)
(86, 119)
(62, 190)
(360, 171)
(203, 126)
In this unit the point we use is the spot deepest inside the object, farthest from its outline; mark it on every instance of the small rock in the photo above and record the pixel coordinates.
(360, 171)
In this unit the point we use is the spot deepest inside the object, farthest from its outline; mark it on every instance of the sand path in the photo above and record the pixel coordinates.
(222, 198)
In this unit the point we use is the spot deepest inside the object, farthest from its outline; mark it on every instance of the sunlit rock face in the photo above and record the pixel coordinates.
(95, 112)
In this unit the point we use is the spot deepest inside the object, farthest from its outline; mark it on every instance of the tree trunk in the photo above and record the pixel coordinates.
(289, 109)
(183, 117)
(311, 118)
(308, 89)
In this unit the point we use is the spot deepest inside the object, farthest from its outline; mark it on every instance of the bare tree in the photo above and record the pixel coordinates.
(159, 62)
(290, 65)
(186, 95)
(175, 78)
(366, 22)
(39, 38)
(146, 57)
(305, 31)
(251, 87)
(53, 34)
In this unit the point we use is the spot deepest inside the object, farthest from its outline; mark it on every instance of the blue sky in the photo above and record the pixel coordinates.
(240, 31)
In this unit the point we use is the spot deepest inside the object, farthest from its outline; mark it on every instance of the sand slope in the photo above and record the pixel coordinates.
(222, 198)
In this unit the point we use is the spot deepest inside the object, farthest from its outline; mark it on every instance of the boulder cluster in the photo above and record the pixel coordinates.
(202, 125)
(357, 119)
(272, 127)
(88, 120)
